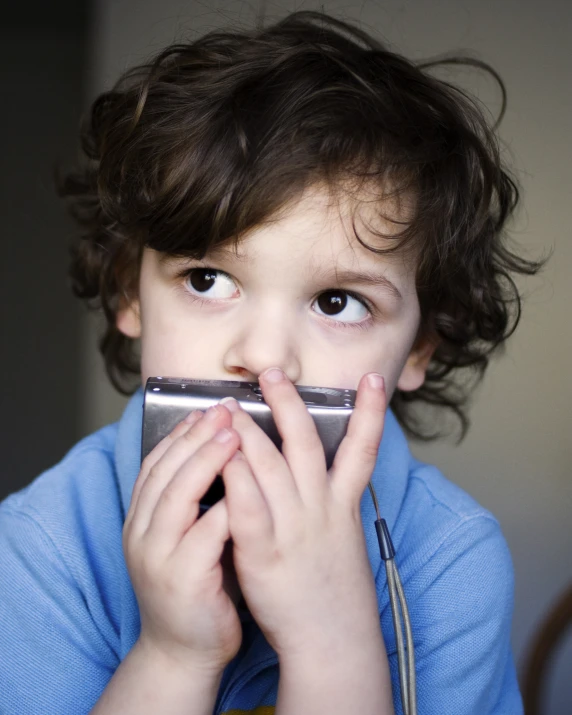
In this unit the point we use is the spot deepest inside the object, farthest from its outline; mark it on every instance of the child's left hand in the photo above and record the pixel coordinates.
(299, 547)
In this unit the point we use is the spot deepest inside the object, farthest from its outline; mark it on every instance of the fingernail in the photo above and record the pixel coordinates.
(376, 381)
(230, 403)
(211, 413)
(193, 417)
(223, 435)
(273, 374)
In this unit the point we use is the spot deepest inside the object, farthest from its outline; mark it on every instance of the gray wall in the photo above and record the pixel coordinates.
(42, 54)
(516, 460)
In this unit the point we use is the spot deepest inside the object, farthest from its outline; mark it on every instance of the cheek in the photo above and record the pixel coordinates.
(167, 348)
(388, 362)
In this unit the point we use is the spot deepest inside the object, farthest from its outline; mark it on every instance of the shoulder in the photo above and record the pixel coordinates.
(62, 582)
(88, 466)
(451, 549)
(437, 516)
(72, 511)
(458, 578)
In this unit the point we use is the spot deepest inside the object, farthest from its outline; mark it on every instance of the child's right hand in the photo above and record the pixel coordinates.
(173, 557)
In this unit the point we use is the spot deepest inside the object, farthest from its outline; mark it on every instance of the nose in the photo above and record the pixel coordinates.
(263, 342)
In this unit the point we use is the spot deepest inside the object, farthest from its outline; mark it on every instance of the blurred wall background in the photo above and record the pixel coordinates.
(516, 459)
(43, 56)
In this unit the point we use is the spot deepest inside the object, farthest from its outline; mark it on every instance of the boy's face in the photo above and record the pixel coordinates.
(278, 303)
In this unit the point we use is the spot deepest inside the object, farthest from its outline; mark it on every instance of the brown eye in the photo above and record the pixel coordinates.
(332, 301)
(202, 279)
(209, 282)
(342, 304)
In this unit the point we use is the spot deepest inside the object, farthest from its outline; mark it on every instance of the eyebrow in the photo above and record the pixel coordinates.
(364, 277)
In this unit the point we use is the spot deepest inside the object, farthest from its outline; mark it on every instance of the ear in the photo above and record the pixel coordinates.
(128, 318)
(413, 373)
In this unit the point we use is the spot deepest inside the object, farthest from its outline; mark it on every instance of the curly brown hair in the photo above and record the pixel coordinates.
(212, 138)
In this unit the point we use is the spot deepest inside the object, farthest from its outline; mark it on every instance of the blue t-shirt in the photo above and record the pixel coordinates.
(69, 615)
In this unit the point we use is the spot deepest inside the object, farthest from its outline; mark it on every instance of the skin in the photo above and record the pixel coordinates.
(266, 314)
(298, 552)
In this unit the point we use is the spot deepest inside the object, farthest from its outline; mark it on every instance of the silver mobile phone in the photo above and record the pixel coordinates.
(168, 400)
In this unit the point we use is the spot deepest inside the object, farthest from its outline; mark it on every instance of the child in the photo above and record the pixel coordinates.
(234, 185)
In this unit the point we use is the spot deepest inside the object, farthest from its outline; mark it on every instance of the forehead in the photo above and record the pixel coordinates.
(325, 224)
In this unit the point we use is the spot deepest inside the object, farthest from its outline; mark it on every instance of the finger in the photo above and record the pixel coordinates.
(155, 455)
(172, 459)
(302, 447)
(203, 544)
(177, 508)
(268, 466)
(357, 454)
(250, 520)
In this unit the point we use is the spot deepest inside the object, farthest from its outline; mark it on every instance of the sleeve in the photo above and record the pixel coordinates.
(461, 612)
(53, 659)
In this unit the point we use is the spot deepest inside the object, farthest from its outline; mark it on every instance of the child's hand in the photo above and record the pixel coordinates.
(173, 558)
(299, 546)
